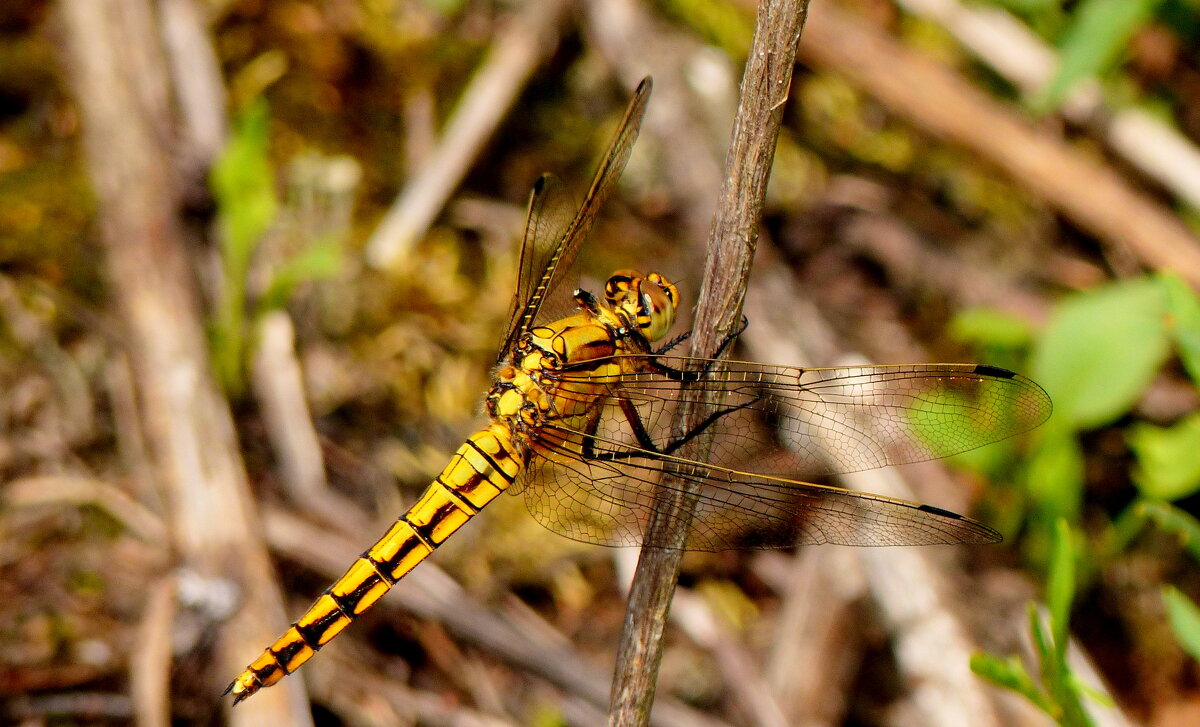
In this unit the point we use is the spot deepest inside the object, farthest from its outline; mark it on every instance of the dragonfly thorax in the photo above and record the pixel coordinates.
(645, 303)
(637, 310)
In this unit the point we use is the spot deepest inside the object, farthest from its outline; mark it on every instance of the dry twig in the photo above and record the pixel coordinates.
(150, 663)
(279, 387)
(116, 67)
(1029, 62)
(1089, 192)
(529, 37)
(732, 238)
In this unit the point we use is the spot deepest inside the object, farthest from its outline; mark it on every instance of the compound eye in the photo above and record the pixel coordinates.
(657, 311)
(620, 283)
(667, 287)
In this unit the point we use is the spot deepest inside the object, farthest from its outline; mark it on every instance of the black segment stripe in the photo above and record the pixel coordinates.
(261, 676)
(420, 535)
(491, 460)
(319, 628)
(376, 566)
(313, 632)
(458, 497)
(405, 550)
(604, 351)
(434, 521)
(994, 371)
(284, 656)
(351, 599)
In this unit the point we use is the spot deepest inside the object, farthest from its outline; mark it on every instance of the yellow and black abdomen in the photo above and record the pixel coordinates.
(483, 467)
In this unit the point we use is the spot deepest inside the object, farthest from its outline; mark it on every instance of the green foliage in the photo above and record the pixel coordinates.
(1098, 353)
(446, 7)
(722, 23)
(991, 329)
(1101, 349)
(1029, 6)
(243, 185)
(1175, 521)
(1168, 458)
(1184, 617)
(1058, 692)
(1010, 673)
(1183, 322)
(1095, 35)
(319, 260)
(1002, 339)
(1060, 586)
(1055, 475)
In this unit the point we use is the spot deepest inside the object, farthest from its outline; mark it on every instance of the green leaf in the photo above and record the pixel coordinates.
(1040, 642)
(318, 261)
(1184, 322)
(1060, 586)
(1011, 674)
(1098, 31)
(243, 183)
(1127, 525)
(1054, 477)
(1168, 458)
(1027, 6)
(1175, 521)
(1093, 693)
(1101, 349)
(990, 327)
(1184, 617)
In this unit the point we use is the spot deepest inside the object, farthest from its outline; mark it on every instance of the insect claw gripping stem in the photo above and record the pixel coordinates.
(674, 342)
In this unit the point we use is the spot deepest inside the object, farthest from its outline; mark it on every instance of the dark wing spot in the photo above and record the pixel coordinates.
(994, 371)
(940, 511)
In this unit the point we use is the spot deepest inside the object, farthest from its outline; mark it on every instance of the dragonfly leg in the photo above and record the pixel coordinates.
(692, 376)
(636, 427)
(708, 422)
(674, 342)
(647, 447)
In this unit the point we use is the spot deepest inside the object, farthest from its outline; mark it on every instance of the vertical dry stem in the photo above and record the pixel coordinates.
(731, 243)
(118, 73)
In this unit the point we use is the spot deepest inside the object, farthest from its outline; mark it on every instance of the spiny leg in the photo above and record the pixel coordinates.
(638, 428)
(693, 376)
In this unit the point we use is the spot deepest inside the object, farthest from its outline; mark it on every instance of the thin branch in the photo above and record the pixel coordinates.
(116, 67)
(150, 662)
(279, 387)
(1087, 191)
(732, 239)
(526, 40)
(1018, 54)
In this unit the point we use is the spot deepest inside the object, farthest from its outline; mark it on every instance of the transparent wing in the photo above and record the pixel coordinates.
(593, 476)
(553, 235)
(546, 263)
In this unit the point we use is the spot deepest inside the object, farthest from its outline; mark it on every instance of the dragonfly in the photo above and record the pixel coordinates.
(580, 423)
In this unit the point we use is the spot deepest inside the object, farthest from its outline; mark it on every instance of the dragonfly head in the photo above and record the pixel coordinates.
(646, 303)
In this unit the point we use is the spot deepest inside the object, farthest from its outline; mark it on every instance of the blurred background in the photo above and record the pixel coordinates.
(255, 262)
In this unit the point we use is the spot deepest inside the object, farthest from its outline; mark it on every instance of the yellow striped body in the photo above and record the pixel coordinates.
(482, 468)
(521, 401)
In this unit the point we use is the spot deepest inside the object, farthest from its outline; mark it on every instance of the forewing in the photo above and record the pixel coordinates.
(596, 482)
(551, 212)
(836, 420)
(552, 238)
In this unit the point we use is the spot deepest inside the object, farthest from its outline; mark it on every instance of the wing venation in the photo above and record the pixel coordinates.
(594, 478)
